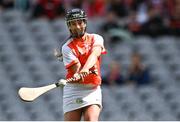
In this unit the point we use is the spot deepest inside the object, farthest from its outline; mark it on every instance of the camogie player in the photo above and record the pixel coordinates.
(81, 54)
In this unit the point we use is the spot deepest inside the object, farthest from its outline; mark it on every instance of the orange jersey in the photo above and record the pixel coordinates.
(75, 50)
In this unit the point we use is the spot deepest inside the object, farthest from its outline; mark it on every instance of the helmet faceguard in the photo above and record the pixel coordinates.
(76, 15)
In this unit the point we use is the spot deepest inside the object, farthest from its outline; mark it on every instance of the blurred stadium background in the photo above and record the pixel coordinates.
(27, 41)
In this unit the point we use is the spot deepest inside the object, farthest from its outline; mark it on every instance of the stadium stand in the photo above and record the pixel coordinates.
(26, 59)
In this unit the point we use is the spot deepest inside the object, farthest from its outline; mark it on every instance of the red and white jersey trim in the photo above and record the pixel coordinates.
(69, 56)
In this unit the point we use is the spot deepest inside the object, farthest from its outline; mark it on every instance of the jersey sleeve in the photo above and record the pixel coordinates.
(99, 41)
(69, 58)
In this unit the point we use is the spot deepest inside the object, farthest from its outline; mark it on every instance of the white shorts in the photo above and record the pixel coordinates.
(77, 96)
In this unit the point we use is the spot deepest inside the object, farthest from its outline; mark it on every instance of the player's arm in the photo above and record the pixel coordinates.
(75, 68)
(98, 49)
(92, 59)
(71, 62)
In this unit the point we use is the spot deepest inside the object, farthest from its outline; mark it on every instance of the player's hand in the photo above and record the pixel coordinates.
(80, 76)
(77, 76)
(83, 73)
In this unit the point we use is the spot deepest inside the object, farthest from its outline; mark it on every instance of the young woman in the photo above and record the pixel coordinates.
(81, 54)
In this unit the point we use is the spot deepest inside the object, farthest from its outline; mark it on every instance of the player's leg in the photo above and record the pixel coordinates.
(91, 113)
(73, 115)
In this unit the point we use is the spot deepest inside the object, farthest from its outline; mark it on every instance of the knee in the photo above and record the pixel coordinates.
(91, 113)
(91, 117)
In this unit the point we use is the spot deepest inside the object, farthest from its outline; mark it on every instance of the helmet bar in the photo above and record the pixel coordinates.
(77, 19)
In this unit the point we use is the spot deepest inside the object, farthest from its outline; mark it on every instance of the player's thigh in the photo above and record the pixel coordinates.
(74, 115)
(91, 113)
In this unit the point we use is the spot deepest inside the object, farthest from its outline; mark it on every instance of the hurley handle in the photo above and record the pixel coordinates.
(63, 82)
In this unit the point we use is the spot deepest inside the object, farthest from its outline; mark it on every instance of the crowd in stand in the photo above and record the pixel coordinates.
(138, 74)
(122, 17)
(152, 17)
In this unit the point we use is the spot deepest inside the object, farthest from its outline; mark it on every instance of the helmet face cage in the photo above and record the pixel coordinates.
(76, 14)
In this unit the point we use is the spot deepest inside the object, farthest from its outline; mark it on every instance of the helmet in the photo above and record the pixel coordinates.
(76, 14)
